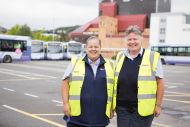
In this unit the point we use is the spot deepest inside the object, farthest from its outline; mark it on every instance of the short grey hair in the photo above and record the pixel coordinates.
(92, 38)
(133, 29)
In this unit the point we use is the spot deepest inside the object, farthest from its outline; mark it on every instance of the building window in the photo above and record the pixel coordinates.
(162, 30)
(162, 41)
(162, 20)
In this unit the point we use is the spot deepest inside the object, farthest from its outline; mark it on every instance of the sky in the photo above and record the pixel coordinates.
(47, 14)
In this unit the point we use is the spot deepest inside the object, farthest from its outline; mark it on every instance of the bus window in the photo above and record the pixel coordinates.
(188, 51)
(181, 51)
(17, 45)
(175, 52)
(169, 51)
(162, 50)
(7, 45)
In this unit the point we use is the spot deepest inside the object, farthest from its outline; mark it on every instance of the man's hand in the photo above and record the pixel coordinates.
(111, 114)
(66, 109)
(157, 110)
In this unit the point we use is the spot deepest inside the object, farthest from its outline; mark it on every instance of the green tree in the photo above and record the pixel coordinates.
(64, 37)
(38, 35)
(25, 30)
(14, 30)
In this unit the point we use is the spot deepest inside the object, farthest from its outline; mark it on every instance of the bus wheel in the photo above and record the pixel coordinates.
(7, 59)
(163, 61)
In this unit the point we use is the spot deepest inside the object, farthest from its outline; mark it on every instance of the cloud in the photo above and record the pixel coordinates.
(47, 13)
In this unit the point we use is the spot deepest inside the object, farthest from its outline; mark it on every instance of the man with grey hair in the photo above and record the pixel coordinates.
(139, 85)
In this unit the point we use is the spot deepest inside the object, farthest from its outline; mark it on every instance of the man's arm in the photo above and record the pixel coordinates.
(65, 96)
(159, 96)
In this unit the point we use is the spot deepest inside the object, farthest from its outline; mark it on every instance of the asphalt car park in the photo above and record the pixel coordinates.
(31, 95)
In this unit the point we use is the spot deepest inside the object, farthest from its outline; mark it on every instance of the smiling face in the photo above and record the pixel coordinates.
(93, 49)
(134, 42)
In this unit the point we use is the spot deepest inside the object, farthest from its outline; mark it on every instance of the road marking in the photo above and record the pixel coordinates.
(187, 81)
(34, 116)
(186, 102)
(161, 125)
(57, 101)
(169, 71)
(178, 95)
(12, 80)
(9, 89)
(31, 95)
(49, 114)
(23, 74)
(171, 87)
(18, 75)
(53, 65)
(174, 83)
(176, 92)
(59, 105)
(35, 67)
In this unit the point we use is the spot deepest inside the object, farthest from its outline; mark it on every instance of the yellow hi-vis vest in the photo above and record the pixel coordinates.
(76, 83)
(147, 86)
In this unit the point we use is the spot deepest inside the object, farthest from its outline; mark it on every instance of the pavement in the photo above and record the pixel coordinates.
(31, 95)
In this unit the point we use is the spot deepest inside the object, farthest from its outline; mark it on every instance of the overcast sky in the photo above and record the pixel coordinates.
(47, 14)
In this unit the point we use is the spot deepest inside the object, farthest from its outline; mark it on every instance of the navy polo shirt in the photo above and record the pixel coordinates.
(93, 97)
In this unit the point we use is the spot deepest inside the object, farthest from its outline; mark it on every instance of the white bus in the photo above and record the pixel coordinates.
(54, 50)
(15, 48)
(173, 54)
(38, 50)
(72, 48)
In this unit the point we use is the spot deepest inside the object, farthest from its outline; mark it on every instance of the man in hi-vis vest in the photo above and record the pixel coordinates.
(139, 85)
(87, 88)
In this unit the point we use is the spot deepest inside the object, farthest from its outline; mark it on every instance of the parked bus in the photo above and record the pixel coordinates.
(54, 50)
(38, 50)
(173, 54)
(15, 48)
(72, 48)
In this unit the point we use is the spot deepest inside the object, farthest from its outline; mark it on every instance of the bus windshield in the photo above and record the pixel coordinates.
(74, 48)
(37, 48)
(53, 48)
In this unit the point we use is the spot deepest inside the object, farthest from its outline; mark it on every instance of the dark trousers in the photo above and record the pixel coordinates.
(75, 125)
(131, 118)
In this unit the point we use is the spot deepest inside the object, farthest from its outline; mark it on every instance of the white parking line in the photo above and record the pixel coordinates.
(34, 116)
(178, 95)
(31, 95)
(174, 83)
(48, 114)
(170, 87)
(186, 102)
(13, 80)
(57, 101)
(176, 92)
(59, 105)
(9, 89)
(35, 67)
(22, 73)
(18, 75)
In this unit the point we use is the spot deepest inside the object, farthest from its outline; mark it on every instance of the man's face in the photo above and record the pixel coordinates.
(93, 49)
(134, 42)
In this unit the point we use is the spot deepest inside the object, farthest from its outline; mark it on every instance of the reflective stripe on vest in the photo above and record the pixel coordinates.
(76, 83)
